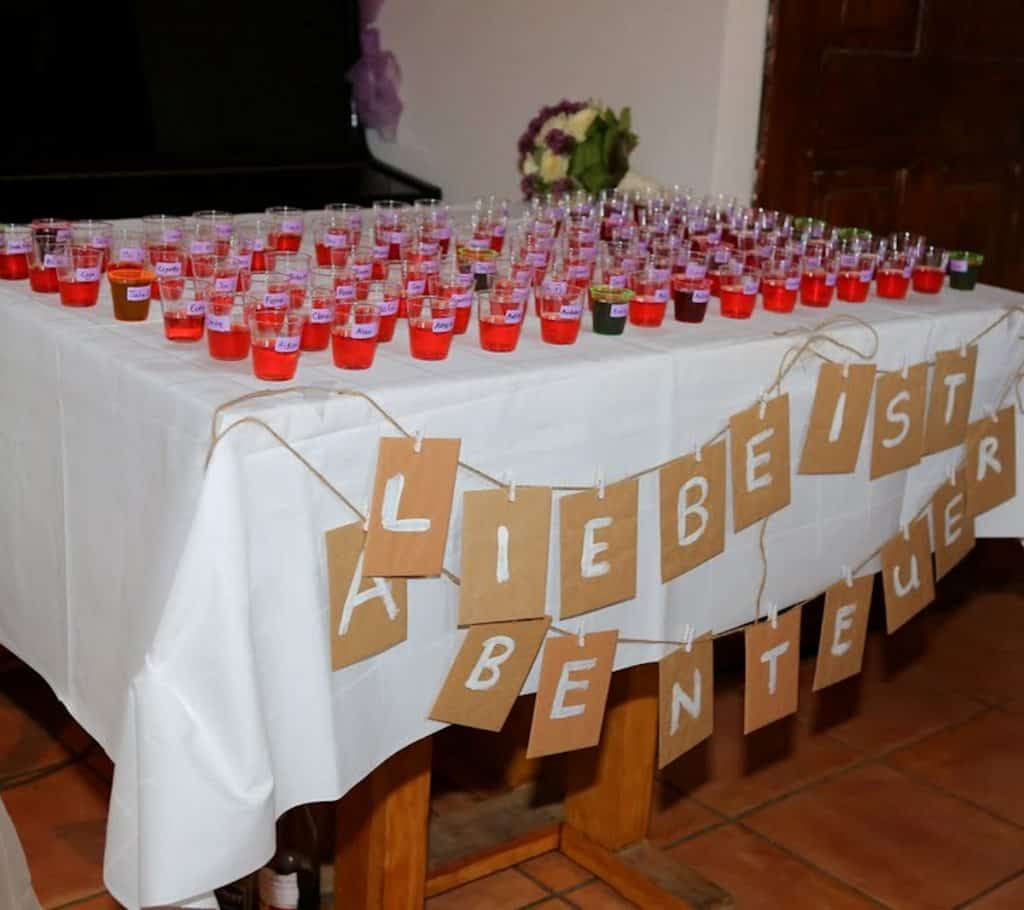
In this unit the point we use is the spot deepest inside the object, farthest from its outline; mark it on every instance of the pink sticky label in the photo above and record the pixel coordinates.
(442, 324)
(259, 245)
(701, 295)
(721, 255)
(958, 265)
(520, 295)
(243, 260)
(830, 279)
(389, 306)
(362, 270)
(320, 315)
(750, 285)
(297, 274)
(792, 283)
(130, 254)
(498, 230)
(579, 271)
(462, 299)
(100, 243)
(415, 287)
(484, 267)
(847, 261)
(17, 245)
(907, 271)
(812, 262)
(168, 269)
(443, 232)
(661, 274)
(345, 292)
(522, 276)
(363, 331)
(223, 229)
(138, 293)
(617, 281)
(196, 307)
(51, 260)
(479, 243)
(287, 345)
(555, 288)
(618, 310)
(661, 295)
(430, 267)
(336, 241)
(536, 258)
(380, 251)
(87, 274)
(201, 247)
(394, 237)
(291, 226)
(865, 275)
(218, 323)
(428, 249)
(171, 235)
(543, 228)
(276, 299)
(571, 310)
(225, 283)
(696, 270)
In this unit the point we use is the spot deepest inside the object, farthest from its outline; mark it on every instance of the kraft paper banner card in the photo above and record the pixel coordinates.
(991, 461)
(572, 693)
(598, 548)
(488, 672)
(897, 439)
(411, 505)
(838, 416)
(685, 700)
(952, 528)
(844, 629)
(368, 615)
(504, 569)
(692, 507)
(907, 575)
(772, 668)
(759, 456)
(949, 404)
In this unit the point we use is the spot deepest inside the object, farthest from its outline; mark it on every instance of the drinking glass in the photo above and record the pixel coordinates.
(818, 277)
(500, 315)
(560, 316)
(354, 335)
(131, 289)
(276, 336)
(50, 240)
(183, 302)
(78, 275)
(930, 270)
(15, 247)
(431, 323)
(738, 291)
(227, 329)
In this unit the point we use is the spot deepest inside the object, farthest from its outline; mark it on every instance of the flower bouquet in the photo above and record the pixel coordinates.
(575, 145)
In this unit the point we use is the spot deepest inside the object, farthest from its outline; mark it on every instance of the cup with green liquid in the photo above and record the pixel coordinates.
(964, 267)
(610, 308)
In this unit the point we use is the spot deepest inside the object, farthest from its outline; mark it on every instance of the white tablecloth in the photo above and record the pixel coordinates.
(182, 615)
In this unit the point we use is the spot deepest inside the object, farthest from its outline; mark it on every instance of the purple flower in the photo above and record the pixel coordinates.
(530, 186)
(525, 145)
(565, 185)
(560, 142)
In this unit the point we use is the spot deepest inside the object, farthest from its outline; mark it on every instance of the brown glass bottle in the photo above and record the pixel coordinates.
(291, 880)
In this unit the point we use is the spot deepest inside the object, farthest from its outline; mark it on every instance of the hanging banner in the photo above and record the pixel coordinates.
(949, 405)
(898, 436)
(573, 691)
(488, 672)
(504, 555)
(991, 461)
(368, 615)
(952, 529)
(838, 416)
(759, 456)
(907, 574)
(692, 509)
(844, 630)
(686, 716)
(772, 670)
(410, 507)
(598, 548)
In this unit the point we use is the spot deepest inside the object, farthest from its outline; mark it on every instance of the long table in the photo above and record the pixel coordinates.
(180, 609)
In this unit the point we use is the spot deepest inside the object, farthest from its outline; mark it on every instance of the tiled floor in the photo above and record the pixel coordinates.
(902, 788)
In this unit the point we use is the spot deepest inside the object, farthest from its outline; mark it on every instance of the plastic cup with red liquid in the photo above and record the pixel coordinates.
(215, 225)
(391, 226)
(15, 247)
(163, 229)
(500, 316)
(329, 288)
(721, 258)
(251, 234)
(165, 261)
(614, 211)
(416, 282)
(184, 302)
(560, 316)
(930, 270)
(296, 267)
(287, 225)
(350, 214)
(366, 267)
(892, 276)
(354, 335)
(431, 327)
(227, 329)
(818, 277)
(97, 234)
(127, 248)
(455, 285)
(650, 286)
(332, 239)
(492, 220)
(50, 238)
(780, 283)
(738, 291)
(436, 217)
(385, 295)
(276, 336)
(78, 275)
(856, 272)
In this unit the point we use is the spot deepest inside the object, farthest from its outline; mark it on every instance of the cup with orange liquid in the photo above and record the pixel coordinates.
(131, 289)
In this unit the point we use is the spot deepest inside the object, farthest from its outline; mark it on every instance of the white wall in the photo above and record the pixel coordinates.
(475, 71)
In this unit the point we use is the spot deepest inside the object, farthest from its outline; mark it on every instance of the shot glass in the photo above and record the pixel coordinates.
(354, 335)
(183, 302)
(286, 228)
(650, 288)
(431, 325)
(964, 267)
(930, 270)
(560, 317)
(276, 337)
(738, 292)
(15, 247)
(127, 248)
(50, 240)
(227, 328)
(818, 280)
(610, 308)
(690, 298)
(500, 316)
(78, 275)
(97, 234)
(892, 277)
(131, 289)
(780, 281)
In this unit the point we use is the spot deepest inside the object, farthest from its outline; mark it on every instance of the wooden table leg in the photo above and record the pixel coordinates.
(609, 787)
(381, 850)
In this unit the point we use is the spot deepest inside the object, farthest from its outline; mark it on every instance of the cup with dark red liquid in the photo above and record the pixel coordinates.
(287, 224)
(818, 277)
(127, 248)
(492, 220)
(650, 287)
(354, 335)
(737, 292)
(690, 298)
(50, 239)
(892, 276)
(15, 247)
(929, 272)
(500, 316)
(131, 289)
(391, 226)
(780, 281)
(97, 234)
(78, 275)
(560, 316)
(227, 328)
(431, 326)
(276, 336)
(183, 302)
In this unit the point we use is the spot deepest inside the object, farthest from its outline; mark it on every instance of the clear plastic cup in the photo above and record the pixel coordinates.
(333, 239)
(97, 234)
(251, 233)
(227, 328)
(929, 272)
(287, 225)
(216, 225)
(650, 287)
(385, 295)
(183, 302)
(276, 336)
(163, 229)
(51, 238)
(167, 261)
(500, 316)
(818, 278)
(560, 317)
(78, 275)
(15, 249)
(892, 277)
(352, 215)
(354, 335)
(431, 327)
(131, 289)
(738, 291)
(127, 248)
(391, 226)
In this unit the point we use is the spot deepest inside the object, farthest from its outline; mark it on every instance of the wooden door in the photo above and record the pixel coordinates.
(900, 115)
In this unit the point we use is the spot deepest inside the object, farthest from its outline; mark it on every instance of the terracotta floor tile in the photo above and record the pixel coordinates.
(552, 903)
(1008, 897)
(980, 760)
(24, 744)
(31, 694)
(732, 773)
(674, 816)
(555, 871)
(598, 896)
(759, 875)
(61, 820)
(506, 890)
(100, 902)
(895, 838)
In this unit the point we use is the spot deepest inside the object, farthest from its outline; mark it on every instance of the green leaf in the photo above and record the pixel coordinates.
(625, 119)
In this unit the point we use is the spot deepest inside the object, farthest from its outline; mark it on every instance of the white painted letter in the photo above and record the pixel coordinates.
(902, 590)
(501, 571)
(837, 418)
(753, 461)
(354, 599)
(591, 548)
(844, 621)
(697, 508)
(486, 674)
(952, 381)
(689, 703)
(559, 709)
(951, 519)
(894, 416)
(988, 446)
(771, 657)
(390, 505)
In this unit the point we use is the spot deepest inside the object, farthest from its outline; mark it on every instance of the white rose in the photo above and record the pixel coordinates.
(637, 182)
(580, 122)
(558, 122)
(529, 166)
(553, 167)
